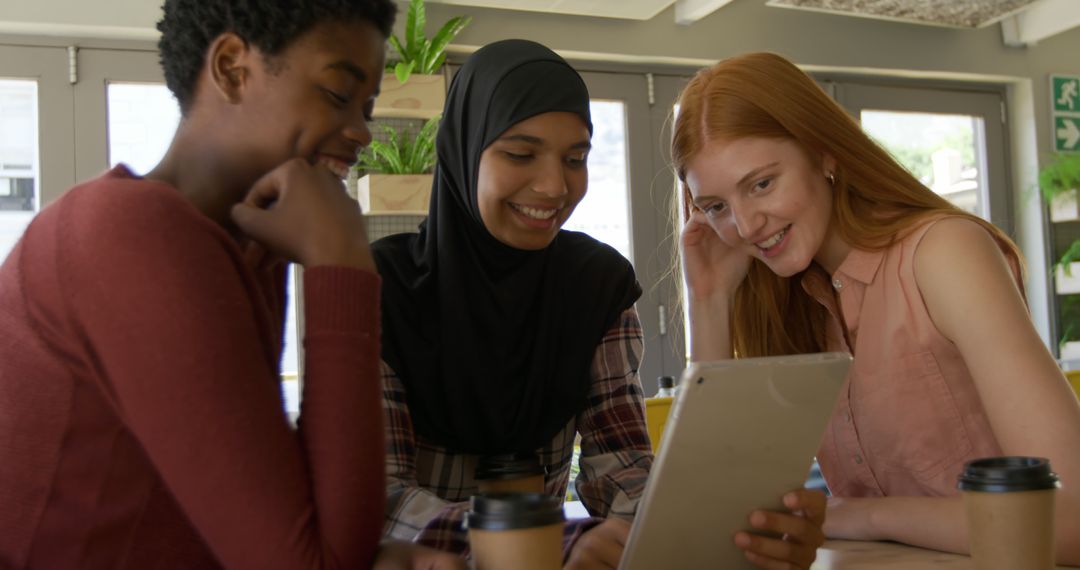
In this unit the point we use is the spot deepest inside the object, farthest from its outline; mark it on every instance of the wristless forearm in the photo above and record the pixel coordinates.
(710, 329)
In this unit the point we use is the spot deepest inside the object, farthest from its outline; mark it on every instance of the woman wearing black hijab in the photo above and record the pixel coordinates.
(502, 333)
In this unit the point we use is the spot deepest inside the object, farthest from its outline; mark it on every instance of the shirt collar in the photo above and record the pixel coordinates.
(862, 265)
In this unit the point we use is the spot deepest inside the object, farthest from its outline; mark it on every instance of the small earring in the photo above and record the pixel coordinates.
(831, 178)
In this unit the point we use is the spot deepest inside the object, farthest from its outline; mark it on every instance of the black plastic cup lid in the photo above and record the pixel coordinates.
(1007, 474)
(508, 511)
(508, 466)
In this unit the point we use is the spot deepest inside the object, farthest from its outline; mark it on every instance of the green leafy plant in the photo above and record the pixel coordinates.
(420, 54)
(402, 153)
(1070, 320)
(1072, 254)
(1057, 178)
(1060, 176)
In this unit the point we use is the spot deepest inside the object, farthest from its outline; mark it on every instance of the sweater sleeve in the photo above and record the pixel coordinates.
(174, 327)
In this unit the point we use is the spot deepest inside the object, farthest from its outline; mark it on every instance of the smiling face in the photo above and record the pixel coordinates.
(769, 198)
(314, 100)
(532, 177)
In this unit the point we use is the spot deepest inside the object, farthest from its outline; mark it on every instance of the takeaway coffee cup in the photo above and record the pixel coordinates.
(515, 531)
(1010, 512)
(510, 473)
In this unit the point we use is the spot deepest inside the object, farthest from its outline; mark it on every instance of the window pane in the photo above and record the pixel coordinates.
(19, 178)
(943, 151)
(142, 120)
(605, 213)
(290, 362)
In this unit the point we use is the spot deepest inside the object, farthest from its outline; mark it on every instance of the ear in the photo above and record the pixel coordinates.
(828, 165)
(228, 59)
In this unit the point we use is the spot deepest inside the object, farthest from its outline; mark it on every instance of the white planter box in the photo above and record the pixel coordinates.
(396, 194)
(421, 97)
(1067, 284)
(1065, 207)
(1070, 351)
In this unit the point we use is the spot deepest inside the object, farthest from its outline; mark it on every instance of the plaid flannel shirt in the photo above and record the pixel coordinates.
(428, 487)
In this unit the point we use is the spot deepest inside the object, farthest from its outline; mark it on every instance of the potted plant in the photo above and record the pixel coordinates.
(413, 89)
(397, 177)
(1069, 345)
(1067, 270)
(1058, 182)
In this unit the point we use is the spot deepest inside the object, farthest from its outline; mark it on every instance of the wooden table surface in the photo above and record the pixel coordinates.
(853, 555)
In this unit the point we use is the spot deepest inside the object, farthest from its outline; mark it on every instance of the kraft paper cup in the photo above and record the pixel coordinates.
(1009, 503)
(515, 531)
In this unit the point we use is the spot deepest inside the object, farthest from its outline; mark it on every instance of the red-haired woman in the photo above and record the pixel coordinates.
(802, 235)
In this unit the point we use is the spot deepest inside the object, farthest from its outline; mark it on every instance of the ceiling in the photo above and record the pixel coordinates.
(1024, 22)
(958, 13)
(625, 9)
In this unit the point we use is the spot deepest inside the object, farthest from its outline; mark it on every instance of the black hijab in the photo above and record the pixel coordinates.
(494, 344)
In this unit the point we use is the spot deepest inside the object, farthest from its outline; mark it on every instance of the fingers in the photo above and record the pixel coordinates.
(301, 212)
(775, 552)
(601, 546)
(265, 191)
(617, 529)
(801, 531)
(810, 504)
(248, 213)
(794, 527)
(249, 218)
(696, 233)
(605, 548)
(394, 555)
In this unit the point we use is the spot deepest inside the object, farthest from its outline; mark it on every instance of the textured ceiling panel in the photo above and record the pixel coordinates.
(959, 13)
(626, 9)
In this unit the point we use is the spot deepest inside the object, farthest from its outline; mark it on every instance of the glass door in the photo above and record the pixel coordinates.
(667, 200)
(123, 111)
(623, 207)
(952, 139)
(36, 156)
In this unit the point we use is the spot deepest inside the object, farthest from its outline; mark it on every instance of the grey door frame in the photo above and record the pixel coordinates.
(650, 262)
(988, 103)
(98, 68)
(48, 66)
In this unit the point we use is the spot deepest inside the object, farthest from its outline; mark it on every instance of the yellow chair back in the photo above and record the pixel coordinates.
(656, 414)
(1074, 379)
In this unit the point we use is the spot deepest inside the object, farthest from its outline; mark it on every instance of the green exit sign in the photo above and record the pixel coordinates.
(1066, 134)
(1065, 101)
(1066, 93)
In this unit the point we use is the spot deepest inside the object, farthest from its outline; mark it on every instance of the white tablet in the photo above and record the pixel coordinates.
(741, 434)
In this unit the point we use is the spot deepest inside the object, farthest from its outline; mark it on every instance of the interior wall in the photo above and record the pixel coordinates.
(810, 39)
(113, 19)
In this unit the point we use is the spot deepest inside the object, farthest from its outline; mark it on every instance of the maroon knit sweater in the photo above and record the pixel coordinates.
(141, 421)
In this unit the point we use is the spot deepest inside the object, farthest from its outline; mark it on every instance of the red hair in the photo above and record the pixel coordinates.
(875, 199)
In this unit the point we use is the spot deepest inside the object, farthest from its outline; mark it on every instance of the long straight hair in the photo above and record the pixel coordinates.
(875, 200)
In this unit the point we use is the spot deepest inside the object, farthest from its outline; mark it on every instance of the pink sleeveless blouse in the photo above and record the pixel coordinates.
(908, 416)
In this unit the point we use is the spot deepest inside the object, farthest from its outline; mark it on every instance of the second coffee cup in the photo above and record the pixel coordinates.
(510, 473)
(1010, 512)
(515, 531)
